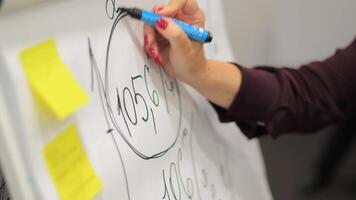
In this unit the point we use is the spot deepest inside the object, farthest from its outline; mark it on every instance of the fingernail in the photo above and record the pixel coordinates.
(154, 56)
(158, 61)
(145, 40)
(162, 23)
(152, 53)
(157, 10)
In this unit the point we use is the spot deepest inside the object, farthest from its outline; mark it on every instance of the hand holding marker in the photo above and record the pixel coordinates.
(195, 33)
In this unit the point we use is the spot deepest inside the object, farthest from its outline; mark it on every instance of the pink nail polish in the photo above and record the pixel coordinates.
(152, 53)
(154, 56)
(158, 61)
(162, 23)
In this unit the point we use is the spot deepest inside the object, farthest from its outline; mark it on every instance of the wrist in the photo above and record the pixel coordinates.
(197, 78)
(218, 81)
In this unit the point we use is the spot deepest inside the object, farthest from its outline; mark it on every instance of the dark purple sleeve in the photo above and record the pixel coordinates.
(277, 101)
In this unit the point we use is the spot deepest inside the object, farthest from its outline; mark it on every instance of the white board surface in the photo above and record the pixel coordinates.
(180, 151)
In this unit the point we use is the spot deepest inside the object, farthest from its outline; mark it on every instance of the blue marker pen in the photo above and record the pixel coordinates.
(195, 33)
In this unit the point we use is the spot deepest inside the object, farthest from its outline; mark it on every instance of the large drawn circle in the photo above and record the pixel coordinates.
(115, 122)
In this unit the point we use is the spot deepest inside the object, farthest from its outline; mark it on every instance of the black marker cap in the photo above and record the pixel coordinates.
(209, 38)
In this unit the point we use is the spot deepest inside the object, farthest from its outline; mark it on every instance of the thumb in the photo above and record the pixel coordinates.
(173, 33)
(172, 8)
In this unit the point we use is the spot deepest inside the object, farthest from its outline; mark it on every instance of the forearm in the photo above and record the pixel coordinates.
(219, 82)
(277, 101)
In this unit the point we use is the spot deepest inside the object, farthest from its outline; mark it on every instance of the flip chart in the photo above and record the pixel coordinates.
(145, 134)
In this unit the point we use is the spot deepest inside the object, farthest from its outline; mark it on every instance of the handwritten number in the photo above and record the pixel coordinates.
(138, 95)
(154, 96)
(119, 110)
(170, 87)
(175, 174)
(173, 168)
(164, 89)
(109, 8)
(136, 98)
(127, 90)
(166, 193)
(188, 190)
(154, 121)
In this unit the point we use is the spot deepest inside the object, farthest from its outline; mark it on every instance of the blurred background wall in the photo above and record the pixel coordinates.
(291, 33)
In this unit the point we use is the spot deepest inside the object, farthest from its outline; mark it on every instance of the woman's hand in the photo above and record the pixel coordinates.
(170, 47)
(184, 59)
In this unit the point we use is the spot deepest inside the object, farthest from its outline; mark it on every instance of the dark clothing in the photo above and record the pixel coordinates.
(276, 101)
(338, 147)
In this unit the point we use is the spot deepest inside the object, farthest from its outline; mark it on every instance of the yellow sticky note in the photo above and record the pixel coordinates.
(51, 80)
(69, 167)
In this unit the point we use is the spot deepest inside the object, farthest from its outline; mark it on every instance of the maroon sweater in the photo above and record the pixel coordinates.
(277, 101)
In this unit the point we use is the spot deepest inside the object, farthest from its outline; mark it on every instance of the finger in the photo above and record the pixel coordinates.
(150, 43)
(188, 7)
(158, 36)
(149, 36)
(153, 52)
(187, 11)
(157, 8)
(174, 34)
(162, 46)
(166, 62)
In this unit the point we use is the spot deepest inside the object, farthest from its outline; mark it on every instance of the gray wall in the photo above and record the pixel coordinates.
(288, 32)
